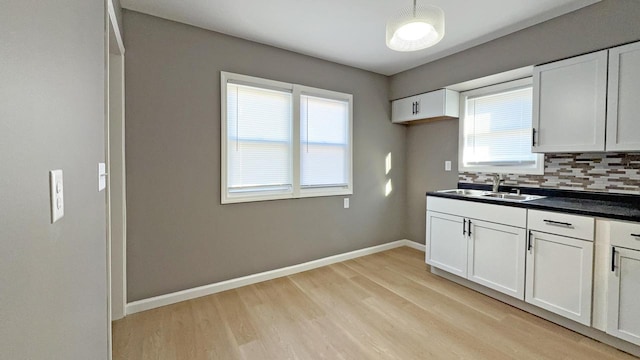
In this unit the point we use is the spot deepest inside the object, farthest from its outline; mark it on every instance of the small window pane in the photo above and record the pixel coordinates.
(259, 136)
(324, 147)
(497, 129)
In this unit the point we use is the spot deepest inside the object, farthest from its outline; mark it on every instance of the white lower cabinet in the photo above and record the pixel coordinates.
(559, 275)
(623, 315)
(544, 258)
(447, 245)
(496, 257)
(483, 251)
(623, 289)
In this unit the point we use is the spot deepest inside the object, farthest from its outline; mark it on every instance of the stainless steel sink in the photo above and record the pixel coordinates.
(464, 192)
(511, 197)
(493, 195)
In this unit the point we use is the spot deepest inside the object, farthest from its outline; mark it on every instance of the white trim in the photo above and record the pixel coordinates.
(172, 298)
(415, 245)
(117, 185)
(116, 27)
(296, 190)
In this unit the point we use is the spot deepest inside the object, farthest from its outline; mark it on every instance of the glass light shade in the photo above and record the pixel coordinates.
(416, 29)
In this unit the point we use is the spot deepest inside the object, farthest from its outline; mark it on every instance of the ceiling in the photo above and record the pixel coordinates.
(352, 32)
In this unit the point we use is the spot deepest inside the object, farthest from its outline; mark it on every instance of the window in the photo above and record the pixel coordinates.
(283, 140)
(495, 130)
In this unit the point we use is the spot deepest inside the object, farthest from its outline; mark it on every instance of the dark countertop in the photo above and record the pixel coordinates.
(604, 205)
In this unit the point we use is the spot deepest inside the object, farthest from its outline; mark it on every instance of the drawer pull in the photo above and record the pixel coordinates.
(529, 242)
(464, 227)
(636, 235)
(558, 223)
(469, 231)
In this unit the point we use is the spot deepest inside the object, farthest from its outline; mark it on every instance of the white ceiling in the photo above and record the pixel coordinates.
(352, 32)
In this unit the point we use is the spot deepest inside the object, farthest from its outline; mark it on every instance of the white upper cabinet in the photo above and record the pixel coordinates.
(569, 104)
(441, 103)
(623, 107)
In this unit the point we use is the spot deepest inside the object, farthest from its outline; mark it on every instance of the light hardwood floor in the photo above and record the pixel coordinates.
(381, 306)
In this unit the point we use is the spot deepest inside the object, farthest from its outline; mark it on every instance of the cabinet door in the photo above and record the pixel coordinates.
(623, 308)
(497, 257)
(559, 275)
(623, 127)
(431, 104)
(569, 104)
(446, 243)
(404, 109)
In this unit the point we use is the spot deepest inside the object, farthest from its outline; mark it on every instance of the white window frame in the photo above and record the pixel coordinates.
(297, 191)
(538, 169)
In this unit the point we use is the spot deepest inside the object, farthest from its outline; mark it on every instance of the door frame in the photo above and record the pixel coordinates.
(115, 168)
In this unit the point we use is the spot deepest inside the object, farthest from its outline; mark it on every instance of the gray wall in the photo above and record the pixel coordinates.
(52, 276)
(429, 145)
(598, 26)
(602, 25)
(179, 236)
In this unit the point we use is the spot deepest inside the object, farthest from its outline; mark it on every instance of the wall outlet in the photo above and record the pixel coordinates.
(346, 203)
(447, 165)
(56, 187)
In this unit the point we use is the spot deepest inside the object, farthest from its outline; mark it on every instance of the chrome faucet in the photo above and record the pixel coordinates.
(497, 179)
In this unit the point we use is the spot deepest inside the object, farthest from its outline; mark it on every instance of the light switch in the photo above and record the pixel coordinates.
(346, 203)
(57, 195)
(102, 176)
(447, 165)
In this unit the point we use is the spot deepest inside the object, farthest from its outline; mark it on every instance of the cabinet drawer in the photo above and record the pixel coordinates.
(575, 226)
(625, 234)
(500, 214)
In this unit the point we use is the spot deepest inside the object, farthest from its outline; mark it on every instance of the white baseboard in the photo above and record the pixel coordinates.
(172, 298)
(415, 245)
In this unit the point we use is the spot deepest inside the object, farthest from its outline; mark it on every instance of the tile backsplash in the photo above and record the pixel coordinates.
(604, 172)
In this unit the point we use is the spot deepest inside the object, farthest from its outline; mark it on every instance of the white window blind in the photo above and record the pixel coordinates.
(324, 146)
(283, 141)
(259, 139)
(497, 129)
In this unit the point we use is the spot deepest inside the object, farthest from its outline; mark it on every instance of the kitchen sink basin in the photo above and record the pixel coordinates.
(493, 195)
(511, 197)
(464, 192)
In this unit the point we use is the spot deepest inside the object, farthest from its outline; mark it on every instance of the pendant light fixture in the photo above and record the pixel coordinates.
(415, 29)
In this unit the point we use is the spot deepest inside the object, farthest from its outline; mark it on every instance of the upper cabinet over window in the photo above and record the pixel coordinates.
(441, 103)
(575, 101)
